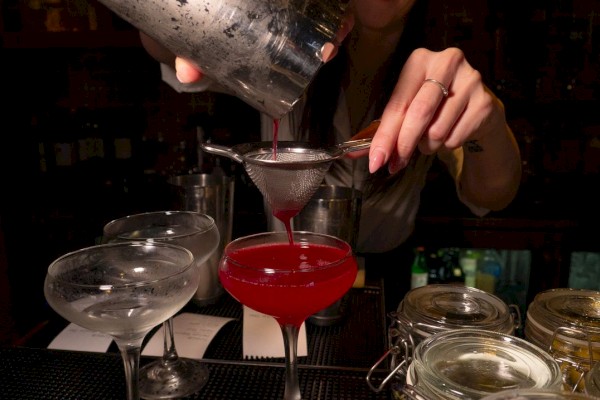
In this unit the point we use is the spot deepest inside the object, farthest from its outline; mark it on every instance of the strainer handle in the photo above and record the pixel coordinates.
(221, 151)
(354, 145)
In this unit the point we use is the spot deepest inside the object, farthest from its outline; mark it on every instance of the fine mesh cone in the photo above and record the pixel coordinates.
(289, 178)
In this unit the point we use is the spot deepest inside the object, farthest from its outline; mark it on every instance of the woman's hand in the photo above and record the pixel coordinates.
(419, 113)
(440, 103)
(186, 71)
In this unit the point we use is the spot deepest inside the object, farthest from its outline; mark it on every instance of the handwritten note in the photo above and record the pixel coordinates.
(263, 338)
(76, 338)
(193, 334)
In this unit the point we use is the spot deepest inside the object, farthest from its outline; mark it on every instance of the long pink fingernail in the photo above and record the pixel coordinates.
(376, 160)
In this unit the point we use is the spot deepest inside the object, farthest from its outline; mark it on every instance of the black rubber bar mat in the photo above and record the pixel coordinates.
(27, 373)
(358, 339)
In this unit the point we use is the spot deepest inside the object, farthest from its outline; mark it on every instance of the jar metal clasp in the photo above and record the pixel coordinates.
(399, 352)
(393, 351)
(578, 367)
(514, 309)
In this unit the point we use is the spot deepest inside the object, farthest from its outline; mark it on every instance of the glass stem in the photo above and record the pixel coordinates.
(290, 341)
(170, 353)
(130, 352)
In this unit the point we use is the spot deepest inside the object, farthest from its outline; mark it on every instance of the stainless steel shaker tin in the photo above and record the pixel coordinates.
(265, 52)
(210, 194)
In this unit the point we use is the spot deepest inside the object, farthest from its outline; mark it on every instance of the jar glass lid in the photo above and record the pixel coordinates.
(568, 307)
(444, 306)
(473, 363)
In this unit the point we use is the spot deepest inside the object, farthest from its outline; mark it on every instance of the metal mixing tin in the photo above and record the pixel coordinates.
(265, 52)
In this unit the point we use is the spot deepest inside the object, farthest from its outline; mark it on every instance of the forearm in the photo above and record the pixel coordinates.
(491, 171)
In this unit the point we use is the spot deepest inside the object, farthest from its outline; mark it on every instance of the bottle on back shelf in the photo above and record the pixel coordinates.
(469, 259)
(436, 272)
(419, 270)
(489, 271)
(451, 266)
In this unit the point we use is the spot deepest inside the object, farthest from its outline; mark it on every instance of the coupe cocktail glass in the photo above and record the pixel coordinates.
(288, 281)
(123, 290)
(170, 376)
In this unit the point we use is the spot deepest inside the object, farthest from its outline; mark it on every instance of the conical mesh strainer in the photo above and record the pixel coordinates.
(288, 179)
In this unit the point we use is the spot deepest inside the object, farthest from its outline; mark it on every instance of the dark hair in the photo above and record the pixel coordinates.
(323, 92)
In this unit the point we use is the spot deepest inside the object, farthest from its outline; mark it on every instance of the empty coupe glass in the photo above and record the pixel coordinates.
(123, 290)
(170, 376)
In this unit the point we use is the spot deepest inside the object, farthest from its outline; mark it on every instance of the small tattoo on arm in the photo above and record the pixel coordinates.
(473, 146)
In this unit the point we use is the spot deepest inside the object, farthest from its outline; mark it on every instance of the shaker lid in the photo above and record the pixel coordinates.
(473, 363)
(444, 306)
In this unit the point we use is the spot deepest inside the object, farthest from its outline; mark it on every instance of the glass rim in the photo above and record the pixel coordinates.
(540, 308)
(212, 224)
(51, 271)
(420, 305)
(284, 235)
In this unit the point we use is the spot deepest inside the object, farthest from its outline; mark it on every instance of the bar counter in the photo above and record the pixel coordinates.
(339, 358)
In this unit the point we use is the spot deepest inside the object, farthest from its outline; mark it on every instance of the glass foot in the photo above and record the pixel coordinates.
(172, 380)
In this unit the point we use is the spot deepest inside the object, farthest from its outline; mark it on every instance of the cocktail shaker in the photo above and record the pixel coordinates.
(264, 52)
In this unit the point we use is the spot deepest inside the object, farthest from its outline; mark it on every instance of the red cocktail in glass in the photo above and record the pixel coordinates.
(288, 281)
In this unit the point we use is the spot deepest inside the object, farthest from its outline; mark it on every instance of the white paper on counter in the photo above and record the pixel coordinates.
(263, 337)
(77, 338)
(193, 334)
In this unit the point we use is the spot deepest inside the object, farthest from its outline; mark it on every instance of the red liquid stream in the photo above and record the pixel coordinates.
(284, 216)
(275, 137)
(281, 280)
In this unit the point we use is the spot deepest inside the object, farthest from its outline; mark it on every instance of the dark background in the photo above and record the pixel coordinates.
(74, 77)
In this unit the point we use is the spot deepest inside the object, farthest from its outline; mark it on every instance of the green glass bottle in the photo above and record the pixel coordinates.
(419, 270)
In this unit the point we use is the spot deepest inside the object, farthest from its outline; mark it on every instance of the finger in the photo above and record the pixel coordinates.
(412, 106)
(460, 115)
(439, 128)
(186, 72)
(385, 140)
(471, 120)
(346, 26)
(420, 118)
(329, 49)
(423, 109)
(436, 107)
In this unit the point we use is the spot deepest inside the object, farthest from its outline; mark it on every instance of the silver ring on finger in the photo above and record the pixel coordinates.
(443, 87)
